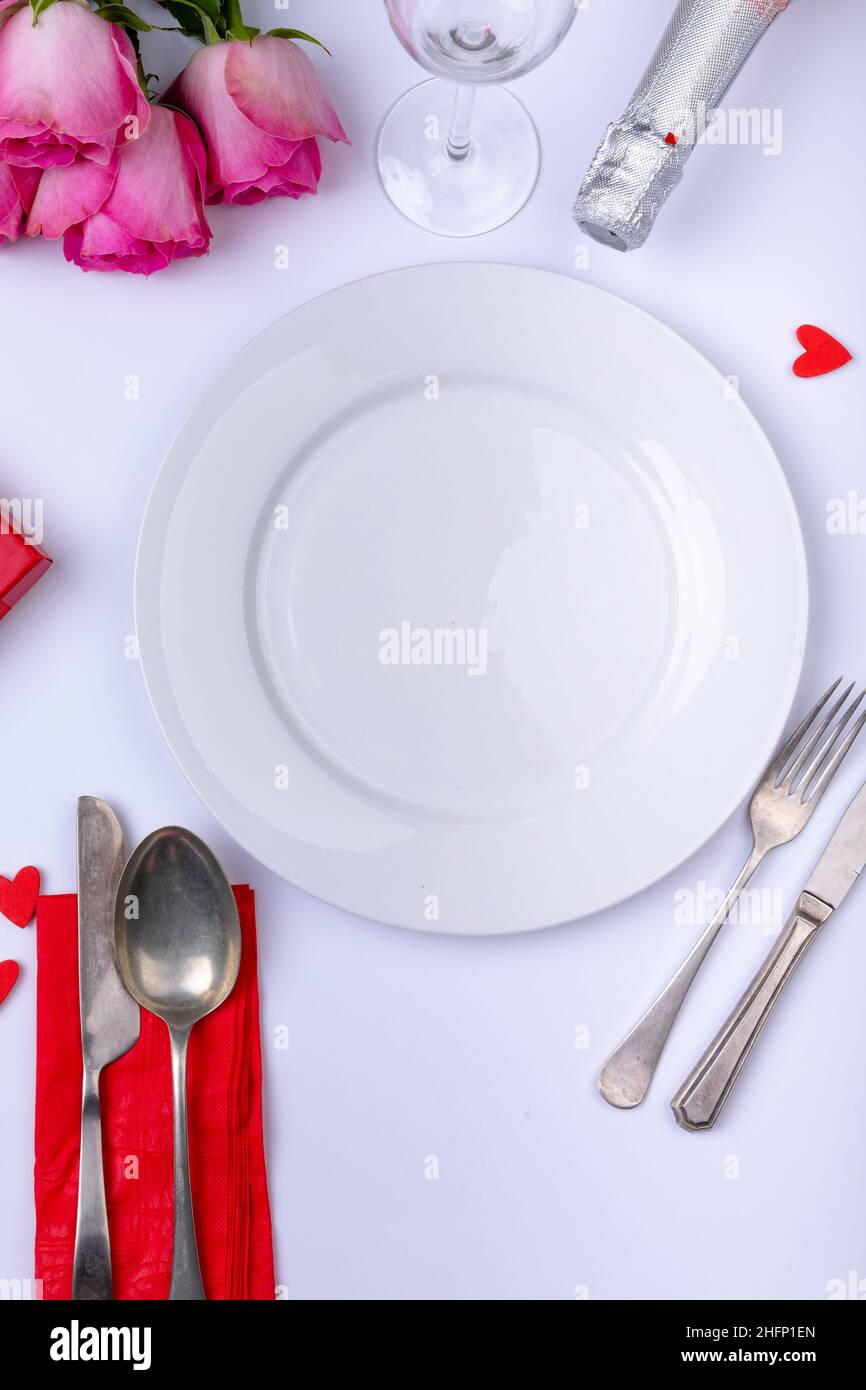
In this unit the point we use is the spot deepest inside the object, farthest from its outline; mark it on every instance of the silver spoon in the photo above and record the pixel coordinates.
(178, 944)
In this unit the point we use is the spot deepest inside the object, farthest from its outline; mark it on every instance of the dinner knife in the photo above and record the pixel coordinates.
(110, 1022)
(702, 1097)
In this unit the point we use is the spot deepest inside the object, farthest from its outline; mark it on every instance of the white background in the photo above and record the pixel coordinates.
(404, 1045)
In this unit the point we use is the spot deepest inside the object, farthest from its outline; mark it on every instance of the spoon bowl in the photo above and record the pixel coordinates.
(177, 941)
(177, 934)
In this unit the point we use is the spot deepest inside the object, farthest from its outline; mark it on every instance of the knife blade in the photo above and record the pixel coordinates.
(110, 1023)
(703, 1095)
(844, 858)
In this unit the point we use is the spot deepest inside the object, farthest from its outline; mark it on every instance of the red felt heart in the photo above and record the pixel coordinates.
(823, 354)
(18, 895)
(9, 973)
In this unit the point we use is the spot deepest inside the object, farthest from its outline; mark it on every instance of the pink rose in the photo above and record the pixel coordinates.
(139, 213)
(260, 107)
(17, 187)
(68, 87)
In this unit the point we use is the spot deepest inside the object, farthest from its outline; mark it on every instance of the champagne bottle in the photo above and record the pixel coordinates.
(642, 156)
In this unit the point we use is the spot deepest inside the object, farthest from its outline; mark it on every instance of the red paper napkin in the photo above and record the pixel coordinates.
(227, 1161)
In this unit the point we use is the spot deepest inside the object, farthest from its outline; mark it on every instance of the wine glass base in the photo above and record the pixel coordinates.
(458, 197)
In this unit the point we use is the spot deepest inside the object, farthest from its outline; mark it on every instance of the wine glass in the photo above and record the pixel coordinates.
(461, 156)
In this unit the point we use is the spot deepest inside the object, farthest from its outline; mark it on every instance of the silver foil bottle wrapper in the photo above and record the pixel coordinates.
(642, 156)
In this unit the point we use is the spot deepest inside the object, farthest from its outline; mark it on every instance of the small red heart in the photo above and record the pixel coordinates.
(9, 973)
(671, 139)
(18, 895)
(823, 352)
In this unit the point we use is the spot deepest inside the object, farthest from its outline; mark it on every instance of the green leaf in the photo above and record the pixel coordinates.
(244, 32)
(298, 34)
(189, 24)
(122, 14)
(39, 7)
(212, 8)
(194, 19)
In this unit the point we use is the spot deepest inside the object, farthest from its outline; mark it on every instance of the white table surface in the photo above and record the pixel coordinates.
(404, 1046)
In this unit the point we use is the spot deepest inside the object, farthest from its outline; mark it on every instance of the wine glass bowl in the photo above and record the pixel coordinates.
(480, 42)
(463, 159)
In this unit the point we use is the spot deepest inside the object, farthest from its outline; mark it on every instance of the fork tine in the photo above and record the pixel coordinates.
(793, 776)
(790, 747)
(834, 764)
(798, 780)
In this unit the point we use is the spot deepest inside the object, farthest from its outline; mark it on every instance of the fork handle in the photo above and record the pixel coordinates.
(701, 1098)
(626, 1075)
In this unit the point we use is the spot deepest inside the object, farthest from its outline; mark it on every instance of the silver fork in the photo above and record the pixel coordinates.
(784, 800)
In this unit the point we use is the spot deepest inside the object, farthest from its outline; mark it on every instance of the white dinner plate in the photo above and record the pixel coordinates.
(471, 598)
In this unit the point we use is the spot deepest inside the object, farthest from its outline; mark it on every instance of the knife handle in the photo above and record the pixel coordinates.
(91, 1266)
(702, 1096)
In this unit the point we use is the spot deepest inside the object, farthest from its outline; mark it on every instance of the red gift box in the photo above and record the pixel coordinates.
(21, 563)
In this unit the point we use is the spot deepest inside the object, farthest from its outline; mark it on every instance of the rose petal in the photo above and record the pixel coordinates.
(299, 174)
(274, 84)
(99, 244)
(27, 182)
(11, 209)
(69, 195)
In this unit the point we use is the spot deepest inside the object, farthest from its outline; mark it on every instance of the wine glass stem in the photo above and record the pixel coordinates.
(457, 144)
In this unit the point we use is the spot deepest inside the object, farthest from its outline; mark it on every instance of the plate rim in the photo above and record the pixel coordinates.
(800, 560)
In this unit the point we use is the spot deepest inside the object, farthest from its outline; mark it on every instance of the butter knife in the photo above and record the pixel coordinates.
(110, 1022)
(702, 1096)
